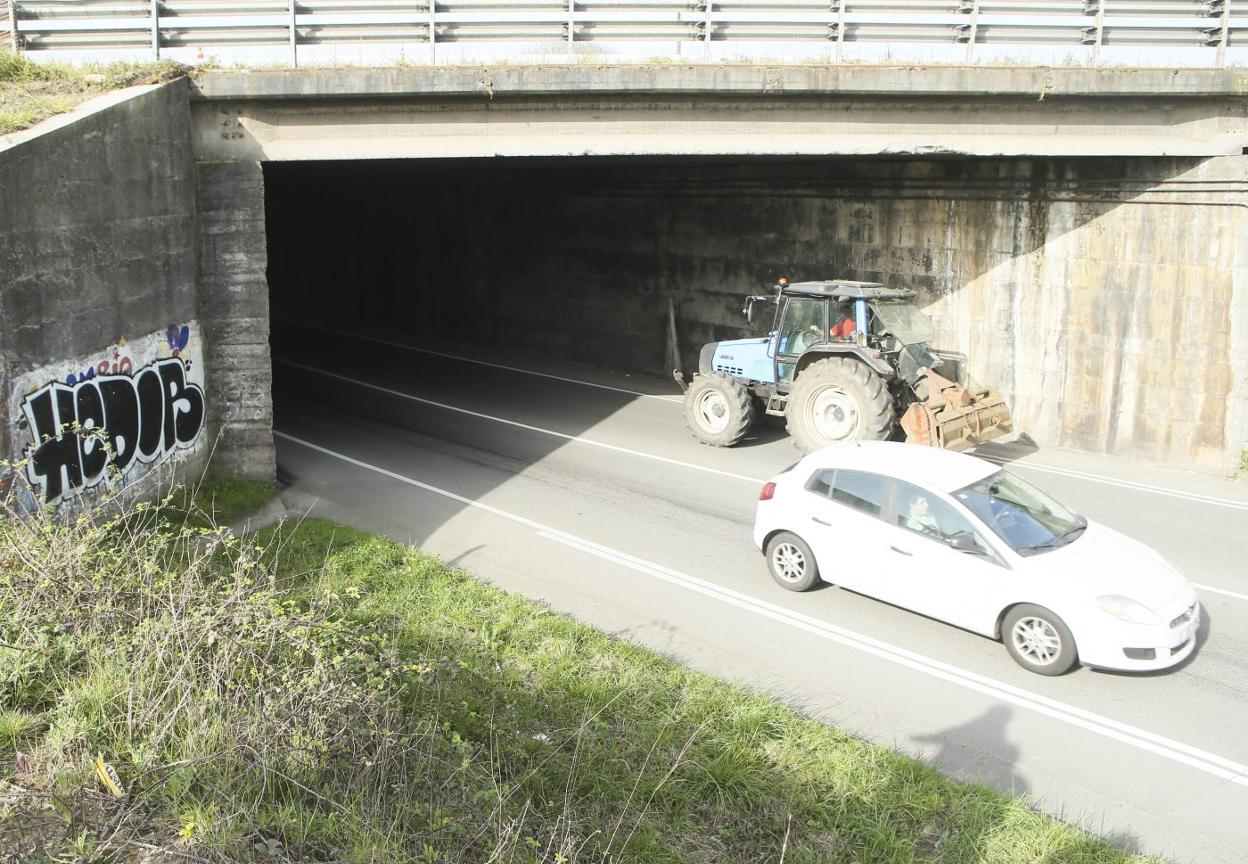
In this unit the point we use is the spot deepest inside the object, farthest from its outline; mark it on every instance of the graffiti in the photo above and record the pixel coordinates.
(137, 419)
(113, 363)
(177, 339)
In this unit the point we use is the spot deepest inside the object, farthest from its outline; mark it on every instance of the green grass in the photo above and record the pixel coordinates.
(30, 92)
(328, 695)
(220, 501)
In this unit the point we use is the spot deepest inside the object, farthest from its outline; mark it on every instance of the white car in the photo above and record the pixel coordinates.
(959, 539)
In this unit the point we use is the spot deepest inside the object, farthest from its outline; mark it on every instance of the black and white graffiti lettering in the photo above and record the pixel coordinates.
(142, 418)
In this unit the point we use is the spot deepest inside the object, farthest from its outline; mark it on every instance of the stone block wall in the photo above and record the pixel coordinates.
(234, 308)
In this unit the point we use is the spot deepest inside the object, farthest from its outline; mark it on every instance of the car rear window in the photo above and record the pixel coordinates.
(863, 492)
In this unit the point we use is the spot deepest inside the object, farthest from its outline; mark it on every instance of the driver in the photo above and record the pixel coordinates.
(918, 517)
(845, 328)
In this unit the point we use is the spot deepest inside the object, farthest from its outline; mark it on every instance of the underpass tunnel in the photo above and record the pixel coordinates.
(1048, 276)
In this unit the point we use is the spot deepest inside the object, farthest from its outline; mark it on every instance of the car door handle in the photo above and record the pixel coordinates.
(820, 521)
(902, 551)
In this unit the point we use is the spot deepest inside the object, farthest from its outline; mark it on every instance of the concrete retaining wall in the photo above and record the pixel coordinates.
(99, 309)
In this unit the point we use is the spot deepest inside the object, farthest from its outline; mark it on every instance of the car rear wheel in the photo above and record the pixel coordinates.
(791, 562)
(1038, 640)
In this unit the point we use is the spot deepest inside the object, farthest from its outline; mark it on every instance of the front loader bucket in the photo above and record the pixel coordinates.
(955, 417)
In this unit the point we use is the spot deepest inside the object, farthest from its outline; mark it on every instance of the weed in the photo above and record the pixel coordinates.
(317, 693)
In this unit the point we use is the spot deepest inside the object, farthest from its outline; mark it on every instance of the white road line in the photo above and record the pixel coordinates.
(1125, 484)
(1065, 472)
(572, 438)
(1210, 588)
(474, 361)
(1176, 751)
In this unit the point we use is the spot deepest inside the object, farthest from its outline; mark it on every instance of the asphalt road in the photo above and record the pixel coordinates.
(584, 489)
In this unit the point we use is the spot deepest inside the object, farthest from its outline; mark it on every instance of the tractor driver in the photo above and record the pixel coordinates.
(846, 326)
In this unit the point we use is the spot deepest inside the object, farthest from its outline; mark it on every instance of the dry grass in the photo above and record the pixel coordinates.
(31, 92)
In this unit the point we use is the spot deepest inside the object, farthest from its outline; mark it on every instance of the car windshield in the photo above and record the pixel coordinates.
(904, 320)
(1026, 518)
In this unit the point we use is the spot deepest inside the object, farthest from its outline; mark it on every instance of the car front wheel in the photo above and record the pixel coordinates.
(791, 562)
(1038, 640)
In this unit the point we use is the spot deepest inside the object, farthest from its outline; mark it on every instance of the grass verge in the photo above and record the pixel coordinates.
(30, 92)
(321, 694)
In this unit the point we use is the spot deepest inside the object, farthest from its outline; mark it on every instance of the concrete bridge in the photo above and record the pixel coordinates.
(1078, 234)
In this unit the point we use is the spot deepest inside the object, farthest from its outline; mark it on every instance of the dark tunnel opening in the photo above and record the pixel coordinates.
(583, 260)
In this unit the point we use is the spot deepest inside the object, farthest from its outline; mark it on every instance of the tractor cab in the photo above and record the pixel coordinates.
(862, 319)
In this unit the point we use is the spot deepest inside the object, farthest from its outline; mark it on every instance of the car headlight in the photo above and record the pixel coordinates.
(1125, 609)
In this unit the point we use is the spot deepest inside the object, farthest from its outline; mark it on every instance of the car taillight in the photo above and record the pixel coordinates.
(767, 491)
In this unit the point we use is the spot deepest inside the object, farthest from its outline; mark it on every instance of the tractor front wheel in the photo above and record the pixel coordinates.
(838, 399)
(718, 409)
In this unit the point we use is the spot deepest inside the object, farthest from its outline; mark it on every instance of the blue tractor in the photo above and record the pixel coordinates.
(844, 360)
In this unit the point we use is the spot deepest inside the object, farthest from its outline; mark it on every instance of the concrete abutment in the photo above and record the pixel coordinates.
(1105, 297)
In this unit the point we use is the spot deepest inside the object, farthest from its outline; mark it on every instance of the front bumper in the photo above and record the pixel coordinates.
(1143, 647)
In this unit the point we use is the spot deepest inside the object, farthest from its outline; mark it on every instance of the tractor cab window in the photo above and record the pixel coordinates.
(803, 325)
(902, 320)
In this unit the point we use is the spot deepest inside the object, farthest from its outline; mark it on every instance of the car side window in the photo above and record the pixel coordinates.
(925, 513)
(863, 492)
(821, 483)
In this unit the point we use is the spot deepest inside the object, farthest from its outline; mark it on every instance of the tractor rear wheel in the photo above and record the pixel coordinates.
(838, 399)
(718, 409)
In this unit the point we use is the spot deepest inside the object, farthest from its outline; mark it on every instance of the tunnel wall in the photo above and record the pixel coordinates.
(1104, 298)
(98, 295)
(234, 305)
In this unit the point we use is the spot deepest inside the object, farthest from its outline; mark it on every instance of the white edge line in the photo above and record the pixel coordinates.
(1213, 590)
(1066, 472)
(895, 653)
(638, 453)
(1176, 751)
(573, 438)
(1125, 484)
(477, 362)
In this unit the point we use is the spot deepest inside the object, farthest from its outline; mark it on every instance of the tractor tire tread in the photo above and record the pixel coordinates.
(878, 412)
(740, 406)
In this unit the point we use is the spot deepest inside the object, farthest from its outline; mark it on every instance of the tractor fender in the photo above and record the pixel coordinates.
(707, 357)
(873, 360)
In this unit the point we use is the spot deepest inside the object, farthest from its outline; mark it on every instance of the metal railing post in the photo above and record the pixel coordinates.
(294, 35)
(840, 28)
(156, 28)
(433, 32)
(1226, 28)
(14, 40)
(571, 21)
(706, 28)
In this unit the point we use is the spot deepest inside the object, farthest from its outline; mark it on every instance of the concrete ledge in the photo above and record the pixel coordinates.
(492, 82)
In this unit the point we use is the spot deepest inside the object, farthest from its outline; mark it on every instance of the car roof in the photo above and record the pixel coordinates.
(931, 466)
(845, 288)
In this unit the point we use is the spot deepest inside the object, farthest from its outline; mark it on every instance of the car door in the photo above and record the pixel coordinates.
(804, 324)
(924, 570)
(846, 528)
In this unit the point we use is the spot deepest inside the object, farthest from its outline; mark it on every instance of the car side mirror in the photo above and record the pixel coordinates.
(964, 541)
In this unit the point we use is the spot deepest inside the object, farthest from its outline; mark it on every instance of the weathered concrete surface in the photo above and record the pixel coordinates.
(97, 244)
(234, 304)
(716, 110)
(1105, 298)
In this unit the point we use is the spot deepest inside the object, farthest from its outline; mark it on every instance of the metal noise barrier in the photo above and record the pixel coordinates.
(1084, 32)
